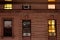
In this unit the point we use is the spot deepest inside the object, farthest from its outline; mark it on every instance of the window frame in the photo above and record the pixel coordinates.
(50, 6)
(52, 37)
(29, 7)
(8, 7)
(23, 28)
(55, 27)
(2, 30)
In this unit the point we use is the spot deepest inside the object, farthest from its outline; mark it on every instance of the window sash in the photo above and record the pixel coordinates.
(51, 0)
(8, 6)
(8, 0)
(51, 6)
(26, 27)
(7, 32)
(52, 28)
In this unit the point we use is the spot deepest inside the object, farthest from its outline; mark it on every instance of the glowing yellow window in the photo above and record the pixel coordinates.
(51, 22)
(8, 0)
(51, 27)
(51, 30)
(8, 6)
(51, 0)
(51, 6)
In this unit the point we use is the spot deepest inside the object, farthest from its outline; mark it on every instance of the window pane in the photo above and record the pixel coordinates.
(52, 34)
(26, 27)
(51, 6)
(51, 0)
(26, 7)
(26, 23)
(8, 0)
(52, 27)
(8, 6)
(51, 30)
(7, 28)
(51, 22)
(26, 30)
(7, 24)
(26, 34)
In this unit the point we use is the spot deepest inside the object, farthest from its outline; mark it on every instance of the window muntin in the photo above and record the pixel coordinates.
(7, 32)
(7, 6)
(52, 28)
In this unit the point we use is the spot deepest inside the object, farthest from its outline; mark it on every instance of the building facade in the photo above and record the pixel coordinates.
(29, 19)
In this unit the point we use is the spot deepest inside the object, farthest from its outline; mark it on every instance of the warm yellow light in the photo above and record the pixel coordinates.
(51, 22)
(52, 27)
(8, 6)
(8, 0)
(51, 6)
(51, 0)
(51, 30)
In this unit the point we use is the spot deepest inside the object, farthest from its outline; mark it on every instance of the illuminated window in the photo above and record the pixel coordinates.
(8, 6)
(51, 6)
(8, 0)
(52, 31)
(51, 0)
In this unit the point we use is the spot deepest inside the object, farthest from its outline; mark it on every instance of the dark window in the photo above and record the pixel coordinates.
(26, 7)
(7, 28)
(26, 27)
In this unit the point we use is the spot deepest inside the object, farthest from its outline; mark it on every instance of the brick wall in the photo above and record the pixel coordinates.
(39, 25)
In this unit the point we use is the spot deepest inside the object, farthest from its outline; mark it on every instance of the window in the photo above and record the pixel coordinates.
(52, 31)
(51, 6)
(51, 0)
(26, 27)
(7, 32)
(26, 7)
(8, 6)
(8, 0)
